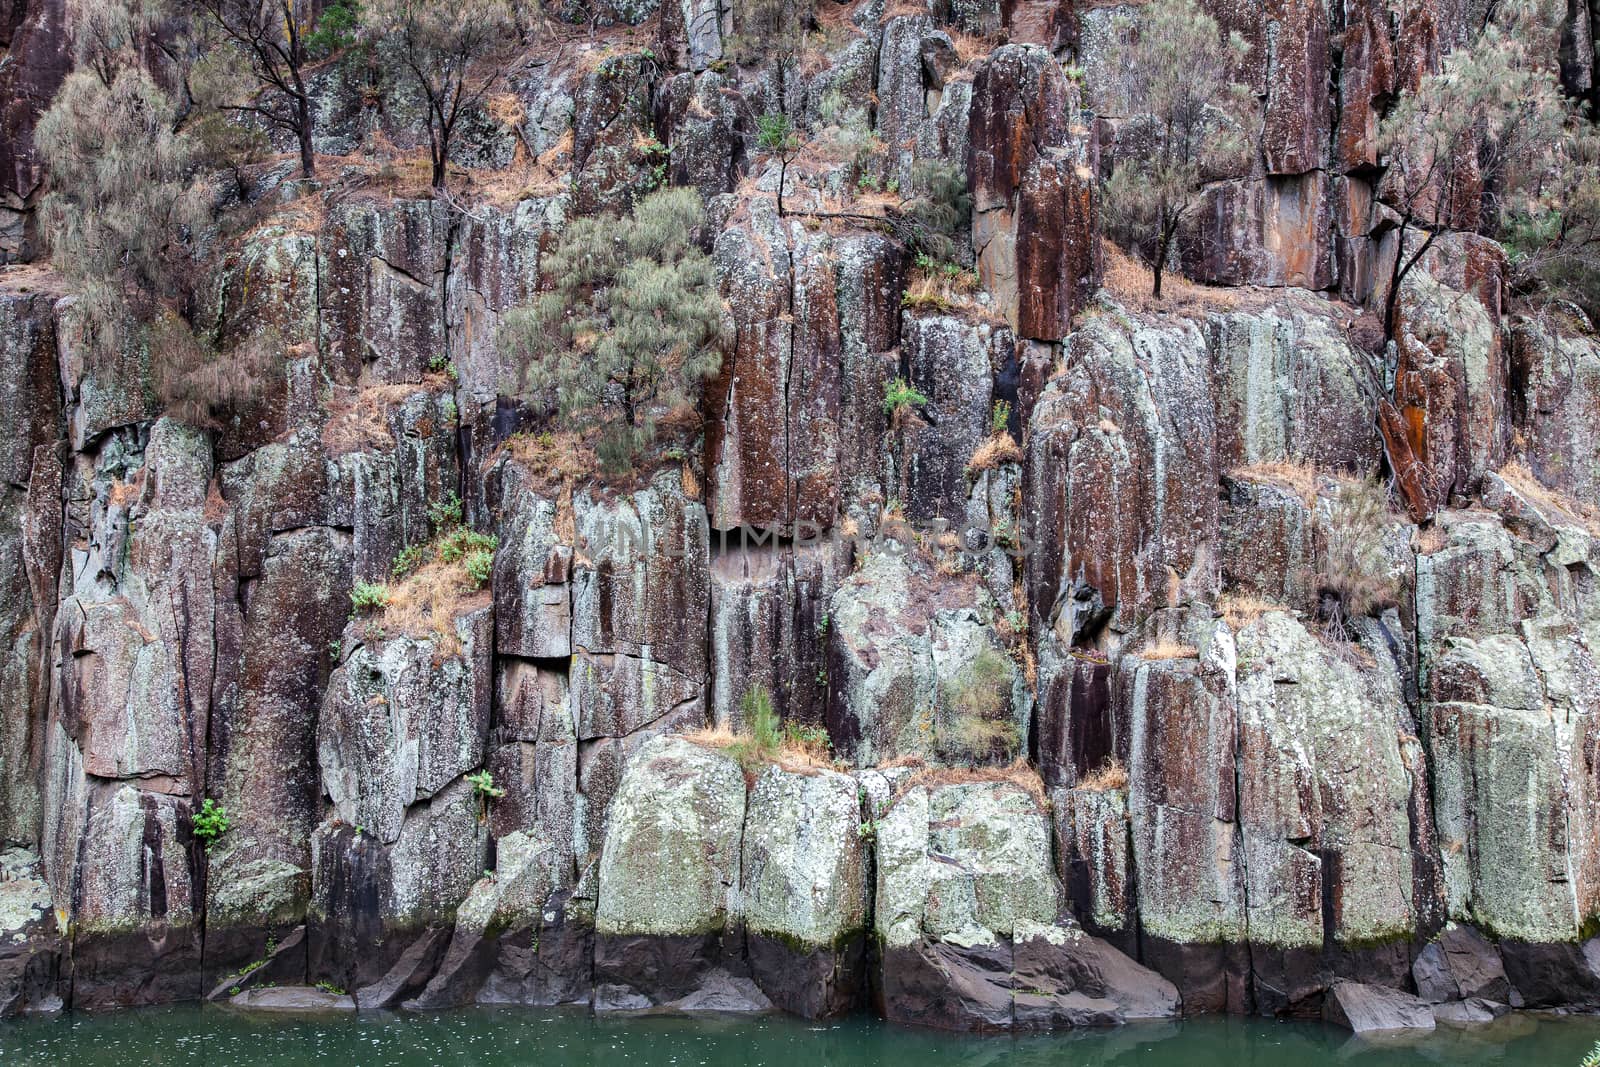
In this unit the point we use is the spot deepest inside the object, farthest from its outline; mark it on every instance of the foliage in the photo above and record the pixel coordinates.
(328, 987)
(899, 397)
(452, 50)
(1184, 101)
(409, 559)
(369, 596)
(445, 513)
(982, 729)
(631, 325)
(479, 565)
(123, 206)
(1000, 417)
(771, 31)
(485, 790)
(1353, 573)
(336, 28)
(127, 216)
(1490, 141)
(942, 212)
(1593, 1057)
(776, 134)
(211, 821)
(764, 731)
(259, 58)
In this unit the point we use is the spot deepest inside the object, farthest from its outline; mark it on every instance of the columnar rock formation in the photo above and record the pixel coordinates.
(1107, 742)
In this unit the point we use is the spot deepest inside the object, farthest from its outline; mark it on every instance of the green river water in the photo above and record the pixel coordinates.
(219, 1037)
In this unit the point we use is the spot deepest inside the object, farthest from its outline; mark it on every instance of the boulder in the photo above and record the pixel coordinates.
(1369, 1009)
(30, 944)
(1460, 964)
(966, 915)
(293, 1000)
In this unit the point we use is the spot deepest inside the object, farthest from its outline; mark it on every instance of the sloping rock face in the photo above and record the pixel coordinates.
(1232, 653)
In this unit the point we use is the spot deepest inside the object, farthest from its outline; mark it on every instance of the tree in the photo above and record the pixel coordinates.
(127, 209)
(1181, 99)
(1462, 145)
(775, 133)
(123, 204)
(452, 50)
(267, 38)
(631, 324)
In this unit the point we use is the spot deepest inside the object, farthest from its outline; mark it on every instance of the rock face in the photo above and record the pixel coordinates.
(1234, 652)
(967, 905)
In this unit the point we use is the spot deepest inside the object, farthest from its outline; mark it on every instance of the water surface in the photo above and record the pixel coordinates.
(219, 1037)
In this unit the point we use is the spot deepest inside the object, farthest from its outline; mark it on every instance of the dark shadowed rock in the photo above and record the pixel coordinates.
(1368, 1009)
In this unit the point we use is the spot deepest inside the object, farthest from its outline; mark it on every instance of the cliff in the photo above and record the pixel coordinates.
(1197, 778)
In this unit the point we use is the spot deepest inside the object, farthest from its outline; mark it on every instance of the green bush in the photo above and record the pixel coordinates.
(479, 566)
(211, 821)
(899, 397)
(630, 327)
(445, 513)
(369, 596)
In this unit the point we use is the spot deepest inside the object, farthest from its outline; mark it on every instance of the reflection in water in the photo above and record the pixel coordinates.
(218, 1037)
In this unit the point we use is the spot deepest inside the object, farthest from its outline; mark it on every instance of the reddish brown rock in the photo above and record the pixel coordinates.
(1262, 231)
(1294, 134)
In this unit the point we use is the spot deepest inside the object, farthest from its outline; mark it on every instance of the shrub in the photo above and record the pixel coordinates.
(369, 596)
(452, 52)
(632, 323)
(1353, 572)
(479, 566)
(942, 212)
(211, 821)
(445, 513)
(899, 397)
(1000, 417)
(763, 732)
(484, 789)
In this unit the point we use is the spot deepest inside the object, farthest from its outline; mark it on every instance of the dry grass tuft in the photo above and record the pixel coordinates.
(942, 288)
(1109, 776)
(1129, 281)
(719, 735)
(1164, 648)
(1239, 610)
(1019, 772)
(997, 450)
(1518, 476)
(1297, 475)
(427, 603)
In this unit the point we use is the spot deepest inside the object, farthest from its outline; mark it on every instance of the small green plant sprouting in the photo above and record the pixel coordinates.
(822, 624)
(899, 397)
(775, 133)
(462, 542)
(408, 560)
(761, 743)
(656, 156)
(1000, 417)
(868, 830)
(335, 649)
(450, 411)
(892, 185)
(369, 596)
(445, 513)
(328, 987)
(868, 183)
(485, 790)
(211, 821)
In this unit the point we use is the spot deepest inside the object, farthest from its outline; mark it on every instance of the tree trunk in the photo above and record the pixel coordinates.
(308, 156)
(438, 170)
